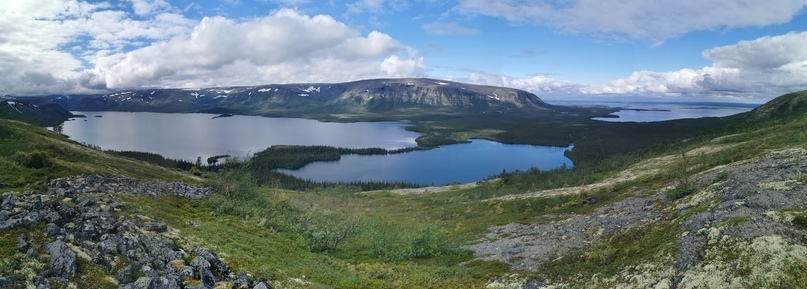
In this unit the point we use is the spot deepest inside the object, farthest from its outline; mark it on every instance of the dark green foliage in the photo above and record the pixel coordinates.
(37, 159)
(155, 159)
(683, 189)
(801, 221)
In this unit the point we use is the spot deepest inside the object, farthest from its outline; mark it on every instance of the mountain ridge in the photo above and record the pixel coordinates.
(363, 96)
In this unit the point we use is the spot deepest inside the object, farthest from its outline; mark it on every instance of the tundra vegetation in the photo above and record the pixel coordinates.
(301, 234)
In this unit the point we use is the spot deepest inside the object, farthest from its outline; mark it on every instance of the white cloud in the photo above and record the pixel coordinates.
(280, 48)
(637, 19)
(766, 66)
(49, 46)
(448, 28)
(539, 84)
(148, 7)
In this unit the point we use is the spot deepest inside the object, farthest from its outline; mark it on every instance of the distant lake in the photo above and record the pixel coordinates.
(648, 112)
(190, 135)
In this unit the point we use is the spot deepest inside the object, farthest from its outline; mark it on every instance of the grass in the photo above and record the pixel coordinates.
(29, 155)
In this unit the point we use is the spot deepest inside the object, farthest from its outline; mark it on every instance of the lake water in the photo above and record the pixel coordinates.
(191, 135)
(452, 163)
(649, 112)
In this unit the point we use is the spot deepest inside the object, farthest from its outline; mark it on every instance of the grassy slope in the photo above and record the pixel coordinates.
(248, 238)
(69, 158)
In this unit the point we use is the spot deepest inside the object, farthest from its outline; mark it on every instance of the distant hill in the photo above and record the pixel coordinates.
(366, 96)
(785, 107)
(46, 114)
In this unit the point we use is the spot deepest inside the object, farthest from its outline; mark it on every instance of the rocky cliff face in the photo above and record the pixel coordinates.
(377, 95)
(82, 224)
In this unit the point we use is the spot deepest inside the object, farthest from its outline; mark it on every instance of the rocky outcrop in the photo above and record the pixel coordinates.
(745, 210)
(81, 218)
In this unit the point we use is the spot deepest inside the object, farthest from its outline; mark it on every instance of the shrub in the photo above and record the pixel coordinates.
(683, 189)
(37, 159)
(392, 242)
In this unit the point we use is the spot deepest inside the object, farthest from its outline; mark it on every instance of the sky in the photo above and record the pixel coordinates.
(683, 50)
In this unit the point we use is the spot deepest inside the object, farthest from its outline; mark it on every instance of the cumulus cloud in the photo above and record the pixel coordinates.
(448, 28)
(764, 66)
(73, 46)
(539, 84)
(280, 48)
(637, 19)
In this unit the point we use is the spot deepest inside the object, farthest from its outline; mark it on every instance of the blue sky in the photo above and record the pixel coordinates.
(724, 50)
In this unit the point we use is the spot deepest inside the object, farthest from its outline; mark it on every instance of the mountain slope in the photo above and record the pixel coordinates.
(788, 106)
(47, 114)
(366, 96)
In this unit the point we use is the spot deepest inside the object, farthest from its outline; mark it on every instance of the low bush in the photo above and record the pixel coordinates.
(683, 189)
(37, 159)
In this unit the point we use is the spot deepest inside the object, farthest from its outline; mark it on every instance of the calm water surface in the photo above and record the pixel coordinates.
(190, 135)
(187, 136)
(649, 112)
(452, 163)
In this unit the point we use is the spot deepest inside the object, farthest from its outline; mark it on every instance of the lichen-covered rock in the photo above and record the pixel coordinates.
(62, 261)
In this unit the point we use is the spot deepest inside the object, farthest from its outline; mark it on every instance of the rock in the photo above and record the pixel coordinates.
(52, 230)
(215, 263)
(158, 248)
(7, 280)
(186, 271)
(241, 282)
(62, 260)
(53, 217)
(32, 218)
(155, 226)
(22, 243)
(148, 272)
(262, 285)
(533, 284)
(124, 275)
(8, 204)
(207, 278)
(199, 262)
(3, 216)
(144, 283)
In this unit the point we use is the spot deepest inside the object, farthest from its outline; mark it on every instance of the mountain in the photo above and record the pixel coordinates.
(365, 96)
(46, 114)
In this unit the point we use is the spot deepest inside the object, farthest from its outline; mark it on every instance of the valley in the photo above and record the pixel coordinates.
(679, 204)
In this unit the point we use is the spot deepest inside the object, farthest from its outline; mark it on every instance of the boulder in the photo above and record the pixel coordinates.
(62, 260)
(124, 275)
(261, 285)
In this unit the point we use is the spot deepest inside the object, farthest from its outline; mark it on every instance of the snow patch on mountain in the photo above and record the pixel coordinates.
(311, 89)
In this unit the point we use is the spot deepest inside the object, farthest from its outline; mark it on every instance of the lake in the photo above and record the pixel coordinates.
(650, 112)
(190, 135)
(461, 163)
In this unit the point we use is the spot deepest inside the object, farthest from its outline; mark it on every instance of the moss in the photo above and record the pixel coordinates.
(734, 221)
